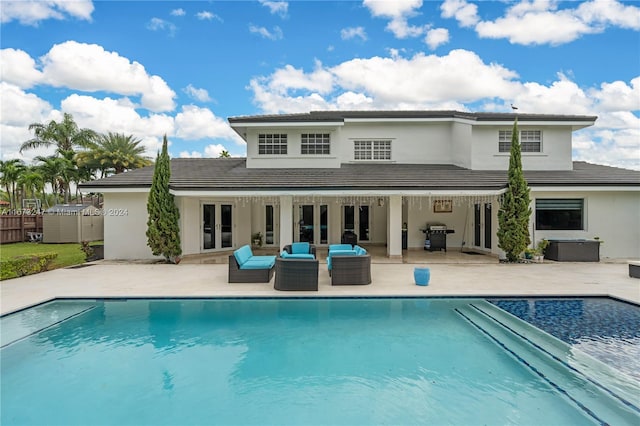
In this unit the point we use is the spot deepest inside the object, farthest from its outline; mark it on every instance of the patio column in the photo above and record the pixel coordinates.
(286, 220)
(394, 227)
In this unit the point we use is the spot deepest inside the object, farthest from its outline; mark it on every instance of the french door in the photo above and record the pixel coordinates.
(311, 223)
(217, 226)
(482, 222)
(356, 219)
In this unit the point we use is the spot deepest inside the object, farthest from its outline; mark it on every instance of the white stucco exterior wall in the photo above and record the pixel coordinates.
(613, 216)
(125, 234)
(555, 155)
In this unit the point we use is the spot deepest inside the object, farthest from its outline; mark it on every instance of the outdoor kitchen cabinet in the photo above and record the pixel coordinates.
(573, 250)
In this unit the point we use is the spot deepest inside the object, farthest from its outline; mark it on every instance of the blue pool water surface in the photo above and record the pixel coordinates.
(291, 361)
(604, 328)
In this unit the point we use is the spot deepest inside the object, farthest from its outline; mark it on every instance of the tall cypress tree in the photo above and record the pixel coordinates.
(514, 213)
(163, 231)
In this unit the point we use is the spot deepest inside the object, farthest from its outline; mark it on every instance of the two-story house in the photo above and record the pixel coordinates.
(381, 177)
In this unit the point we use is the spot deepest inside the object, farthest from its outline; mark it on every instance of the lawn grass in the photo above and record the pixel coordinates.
(68, 254)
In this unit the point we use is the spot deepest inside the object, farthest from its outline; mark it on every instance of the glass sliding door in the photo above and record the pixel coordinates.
(324, 224)
(217, 226)
(269, 226)
(306, 223)
(487, 225)
(363, 223)
(226, 225)
(208, 226)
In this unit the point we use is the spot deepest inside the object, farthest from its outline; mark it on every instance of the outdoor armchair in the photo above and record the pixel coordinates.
(299, 250)
(350, 270)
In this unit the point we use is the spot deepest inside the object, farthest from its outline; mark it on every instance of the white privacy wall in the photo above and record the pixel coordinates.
(125, 226)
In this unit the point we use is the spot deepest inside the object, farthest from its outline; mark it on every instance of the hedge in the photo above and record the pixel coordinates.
(26, 265)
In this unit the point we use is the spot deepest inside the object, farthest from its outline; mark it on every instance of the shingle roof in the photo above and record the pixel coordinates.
(328, 116)
(222, 174)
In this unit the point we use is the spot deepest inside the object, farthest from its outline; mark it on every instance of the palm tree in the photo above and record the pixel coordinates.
(11, 171)
(33, 183)
(65, 136)
(114, 152)
(56, 171)
(225, 154)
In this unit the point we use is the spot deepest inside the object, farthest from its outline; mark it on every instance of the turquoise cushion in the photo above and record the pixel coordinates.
(360, 251)
(300, 248)
(259, 264)
(284, 254)
(300, 256)
(333, 247)
(243, 254)
(267, 258)
(343, 253)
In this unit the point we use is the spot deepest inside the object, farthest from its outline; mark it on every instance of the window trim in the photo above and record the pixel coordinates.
(316, 142)
(281, 144)
(561, 205)
(504, 141)
(368, 146)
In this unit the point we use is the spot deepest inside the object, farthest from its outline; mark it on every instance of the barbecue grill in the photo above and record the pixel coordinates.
(436, 236)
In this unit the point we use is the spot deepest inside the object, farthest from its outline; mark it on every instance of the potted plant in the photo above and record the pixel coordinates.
(540, 248)
(529, 253)
(257, 239)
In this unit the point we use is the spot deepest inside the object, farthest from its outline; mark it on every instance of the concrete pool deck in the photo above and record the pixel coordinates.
(109, 279)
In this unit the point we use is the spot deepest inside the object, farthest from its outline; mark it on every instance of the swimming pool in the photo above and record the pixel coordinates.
(297, 361)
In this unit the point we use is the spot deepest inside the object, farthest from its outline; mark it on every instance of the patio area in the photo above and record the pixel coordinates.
(470, 278)
(378, 255)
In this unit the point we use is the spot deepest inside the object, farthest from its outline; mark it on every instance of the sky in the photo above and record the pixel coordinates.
(153, 68)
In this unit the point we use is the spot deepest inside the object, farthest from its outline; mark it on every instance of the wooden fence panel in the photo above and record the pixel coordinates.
(14, 228)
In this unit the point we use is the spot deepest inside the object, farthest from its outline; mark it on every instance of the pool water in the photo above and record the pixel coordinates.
(606, 329)
(294, 361)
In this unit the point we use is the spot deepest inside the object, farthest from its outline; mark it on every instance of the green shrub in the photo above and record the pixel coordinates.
(26, 265)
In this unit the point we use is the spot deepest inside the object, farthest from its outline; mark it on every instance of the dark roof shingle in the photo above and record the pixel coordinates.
(227, 174)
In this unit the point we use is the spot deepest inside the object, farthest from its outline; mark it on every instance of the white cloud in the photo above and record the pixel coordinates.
(115, 115)
(276, 7)
(290, 78)
(207, 16)
(178, 12)
(19, 68)
(352, 32)
(465, 13)
(18, 110)
(198, 94)
(436, 37)
(618, 95)
(214, 151)
(532, 22)
(90, 68)
(157, 24)
(610, 12)
(192, 154)
(31, 12)
(275, 34)
(399, 12)
(197, 123)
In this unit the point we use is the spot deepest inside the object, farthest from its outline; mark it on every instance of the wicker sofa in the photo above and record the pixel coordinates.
(296, 274)
(348, 265)
(244, 267)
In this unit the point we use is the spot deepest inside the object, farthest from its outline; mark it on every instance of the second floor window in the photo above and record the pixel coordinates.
(372, 150)
(530, 140)
(272, 143)
(315, 143)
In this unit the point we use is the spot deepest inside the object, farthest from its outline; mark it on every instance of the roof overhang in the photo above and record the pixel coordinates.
(338, 193)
